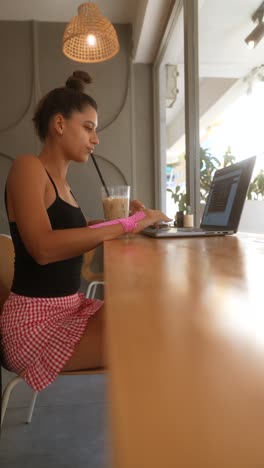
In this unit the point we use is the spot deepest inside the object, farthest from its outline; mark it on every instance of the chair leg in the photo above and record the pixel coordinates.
(6, 395)
(31, 408)
(91, 290)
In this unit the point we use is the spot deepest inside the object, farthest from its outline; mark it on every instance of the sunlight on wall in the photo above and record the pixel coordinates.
(239, 127)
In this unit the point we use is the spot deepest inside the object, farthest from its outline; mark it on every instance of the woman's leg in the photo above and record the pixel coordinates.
(89, 352)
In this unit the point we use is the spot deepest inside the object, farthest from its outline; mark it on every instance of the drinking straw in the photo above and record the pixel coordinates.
(100, 175)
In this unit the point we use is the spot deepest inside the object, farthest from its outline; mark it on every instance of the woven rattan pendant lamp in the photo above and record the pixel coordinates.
(90, 37)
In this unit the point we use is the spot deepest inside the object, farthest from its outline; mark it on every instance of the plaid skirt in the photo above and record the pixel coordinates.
(38, 335)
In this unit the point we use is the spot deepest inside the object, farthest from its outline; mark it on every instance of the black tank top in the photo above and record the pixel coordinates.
(55, 279)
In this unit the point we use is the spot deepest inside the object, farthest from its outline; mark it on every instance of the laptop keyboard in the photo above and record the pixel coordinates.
(193, 229)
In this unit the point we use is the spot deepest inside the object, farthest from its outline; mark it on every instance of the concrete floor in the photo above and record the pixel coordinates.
(68, 429)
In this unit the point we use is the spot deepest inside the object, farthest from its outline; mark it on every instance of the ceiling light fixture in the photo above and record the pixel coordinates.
(90, 37)
(258, 32)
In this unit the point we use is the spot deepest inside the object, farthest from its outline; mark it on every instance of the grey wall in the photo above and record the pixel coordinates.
(32, 64)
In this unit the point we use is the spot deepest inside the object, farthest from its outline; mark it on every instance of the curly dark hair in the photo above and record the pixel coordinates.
(64, 100)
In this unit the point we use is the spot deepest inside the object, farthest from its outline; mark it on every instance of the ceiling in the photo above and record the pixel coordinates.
(222, 27)
(223, 54)
(148, 17)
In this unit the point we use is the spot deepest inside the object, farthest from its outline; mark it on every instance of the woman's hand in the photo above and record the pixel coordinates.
(151, 217)
(136, 205)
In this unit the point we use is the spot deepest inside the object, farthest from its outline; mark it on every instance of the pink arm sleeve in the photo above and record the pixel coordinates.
(128, 224)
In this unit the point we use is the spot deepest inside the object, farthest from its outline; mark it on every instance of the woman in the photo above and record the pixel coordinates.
(46, 325)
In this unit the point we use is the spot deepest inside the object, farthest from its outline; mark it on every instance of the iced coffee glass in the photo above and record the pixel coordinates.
(116, 201)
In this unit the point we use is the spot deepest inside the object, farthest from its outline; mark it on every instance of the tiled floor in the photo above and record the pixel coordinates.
(68, 429)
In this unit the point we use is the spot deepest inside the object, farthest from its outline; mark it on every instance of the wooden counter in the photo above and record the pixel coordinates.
(185, 337)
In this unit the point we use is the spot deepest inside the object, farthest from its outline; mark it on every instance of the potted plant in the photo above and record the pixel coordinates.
(180, 197)
(256, 187)
(208, 165)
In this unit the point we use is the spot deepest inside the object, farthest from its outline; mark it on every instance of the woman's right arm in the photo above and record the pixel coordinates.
(26, 187)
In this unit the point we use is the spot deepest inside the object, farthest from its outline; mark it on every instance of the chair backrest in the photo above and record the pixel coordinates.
(7, 256)
(87, 272)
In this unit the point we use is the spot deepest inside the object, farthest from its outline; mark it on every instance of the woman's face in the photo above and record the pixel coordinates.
(79, 135)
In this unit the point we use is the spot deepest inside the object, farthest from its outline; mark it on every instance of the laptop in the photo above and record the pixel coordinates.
(223, 207)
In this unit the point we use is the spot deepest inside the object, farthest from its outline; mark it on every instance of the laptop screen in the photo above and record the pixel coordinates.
(221, 199)
(227, 196)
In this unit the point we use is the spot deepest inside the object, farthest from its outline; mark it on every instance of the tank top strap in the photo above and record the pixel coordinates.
(53, 183)
(73, 196)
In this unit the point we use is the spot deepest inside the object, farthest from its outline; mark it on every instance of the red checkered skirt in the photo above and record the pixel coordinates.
(38, 335)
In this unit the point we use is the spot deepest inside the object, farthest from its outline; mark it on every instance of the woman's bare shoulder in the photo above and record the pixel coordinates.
(27, 163)
(26, 159)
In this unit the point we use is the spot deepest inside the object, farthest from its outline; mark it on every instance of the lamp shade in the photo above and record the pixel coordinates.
(89, 37)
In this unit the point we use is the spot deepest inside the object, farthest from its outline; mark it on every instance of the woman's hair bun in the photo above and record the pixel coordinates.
(78, 80)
